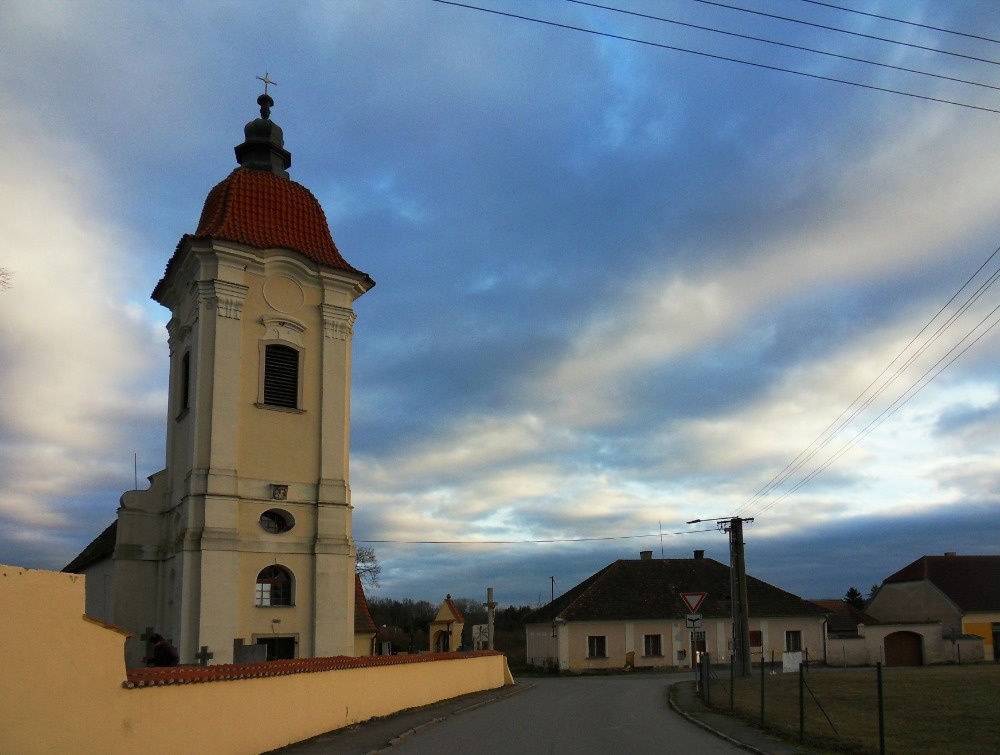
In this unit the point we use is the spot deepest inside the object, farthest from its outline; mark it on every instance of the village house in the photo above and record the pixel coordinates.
(959, 596)
(632, 613)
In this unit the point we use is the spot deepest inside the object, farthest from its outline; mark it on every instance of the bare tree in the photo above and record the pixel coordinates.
(6, 276)
(367, 566)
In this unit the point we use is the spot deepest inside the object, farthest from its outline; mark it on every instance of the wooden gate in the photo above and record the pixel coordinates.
(904, 649)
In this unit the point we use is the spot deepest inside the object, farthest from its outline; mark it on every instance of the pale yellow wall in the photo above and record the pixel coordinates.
(277, 445)
(773, 635)
(62, 678)
(981, 624)
(454, 632)
(851, 651)
(541, 646)
(61, 674)
(614, 633)
(100, 589)
(201, 521)
(363, 645)
(622, 637)
(869, 647)
(445, 623)
(913, 601)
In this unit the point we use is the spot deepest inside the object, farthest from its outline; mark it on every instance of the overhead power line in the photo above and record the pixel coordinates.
(524, 542)
(714, 56)
(860, 403)
(901, 21)
(914, 389)
(788, 45)
(848, 31)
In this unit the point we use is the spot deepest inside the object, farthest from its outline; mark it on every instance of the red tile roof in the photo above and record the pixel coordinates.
(842, 618)
(971, 582)
(151, 677)
(266, 211)
(363, 621)
(454, 610)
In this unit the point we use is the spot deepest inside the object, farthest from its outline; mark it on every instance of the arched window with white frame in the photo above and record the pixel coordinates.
(274, 587)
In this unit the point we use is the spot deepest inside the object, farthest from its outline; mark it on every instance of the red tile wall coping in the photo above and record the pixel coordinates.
(159, 676)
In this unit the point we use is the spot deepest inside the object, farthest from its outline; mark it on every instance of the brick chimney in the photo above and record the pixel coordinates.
(645, 555)
(699, 554)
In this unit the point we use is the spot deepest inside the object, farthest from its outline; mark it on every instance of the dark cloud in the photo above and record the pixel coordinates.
(820, 562)
(514, 188)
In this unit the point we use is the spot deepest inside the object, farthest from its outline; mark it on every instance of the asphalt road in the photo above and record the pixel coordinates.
(579, 715)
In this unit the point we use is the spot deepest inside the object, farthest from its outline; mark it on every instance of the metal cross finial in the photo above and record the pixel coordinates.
(266, 81)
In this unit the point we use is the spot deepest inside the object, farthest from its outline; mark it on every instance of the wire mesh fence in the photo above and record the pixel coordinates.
(914, 709)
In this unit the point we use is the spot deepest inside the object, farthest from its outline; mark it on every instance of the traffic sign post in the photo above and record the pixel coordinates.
(693, 601)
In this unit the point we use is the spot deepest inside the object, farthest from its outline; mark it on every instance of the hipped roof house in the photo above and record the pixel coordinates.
(651, 589)
(633, 612)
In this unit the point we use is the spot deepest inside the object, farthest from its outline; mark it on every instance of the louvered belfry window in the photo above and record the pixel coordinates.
(281, 376)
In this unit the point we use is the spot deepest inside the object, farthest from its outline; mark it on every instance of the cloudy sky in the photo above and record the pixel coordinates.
(621, 285)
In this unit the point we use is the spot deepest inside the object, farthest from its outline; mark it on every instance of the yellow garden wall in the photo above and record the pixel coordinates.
(981, 624)
(61, 689)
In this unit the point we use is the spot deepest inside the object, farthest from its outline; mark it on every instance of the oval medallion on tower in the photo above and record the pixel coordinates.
(283, 294)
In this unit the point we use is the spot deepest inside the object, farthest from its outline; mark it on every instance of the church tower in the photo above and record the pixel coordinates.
(245, 537)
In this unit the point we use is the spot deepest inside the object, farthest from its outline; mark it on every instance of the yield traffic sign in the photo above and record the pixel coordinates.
(693, 600)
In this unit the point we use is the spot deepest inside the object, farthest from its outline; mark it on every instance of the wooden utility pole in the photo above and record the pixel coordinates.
(741, 609)
(738, 590)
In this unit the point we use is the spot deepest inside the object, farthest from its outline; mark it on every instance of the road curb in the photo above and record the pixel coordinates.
(502, 695)
(709, 728)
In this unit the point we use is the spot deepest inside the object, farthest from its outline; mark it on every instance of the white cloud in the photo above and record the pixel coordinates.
(898, 207)
(73, 349)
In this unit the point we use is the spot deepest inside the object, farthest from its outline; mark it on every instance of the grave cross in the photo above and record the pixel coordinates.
(147, 637)
(204, 655)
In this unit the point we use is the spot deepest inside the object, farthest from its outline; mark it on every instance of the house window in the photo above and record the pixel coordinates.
(793, 641)
(274, 587)
(281, 376)
(756, 638)
(651, 645)
(596, 647)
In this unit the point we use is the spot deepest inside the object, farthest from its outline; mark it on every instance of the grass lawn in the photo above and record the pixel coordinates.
(935, 709)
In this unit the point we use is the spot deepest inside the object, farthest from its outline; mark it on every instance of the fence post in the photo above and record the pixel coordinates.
(881, 711)
(763, 673)
(802, 702)
(706, 677)
(732, 683)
